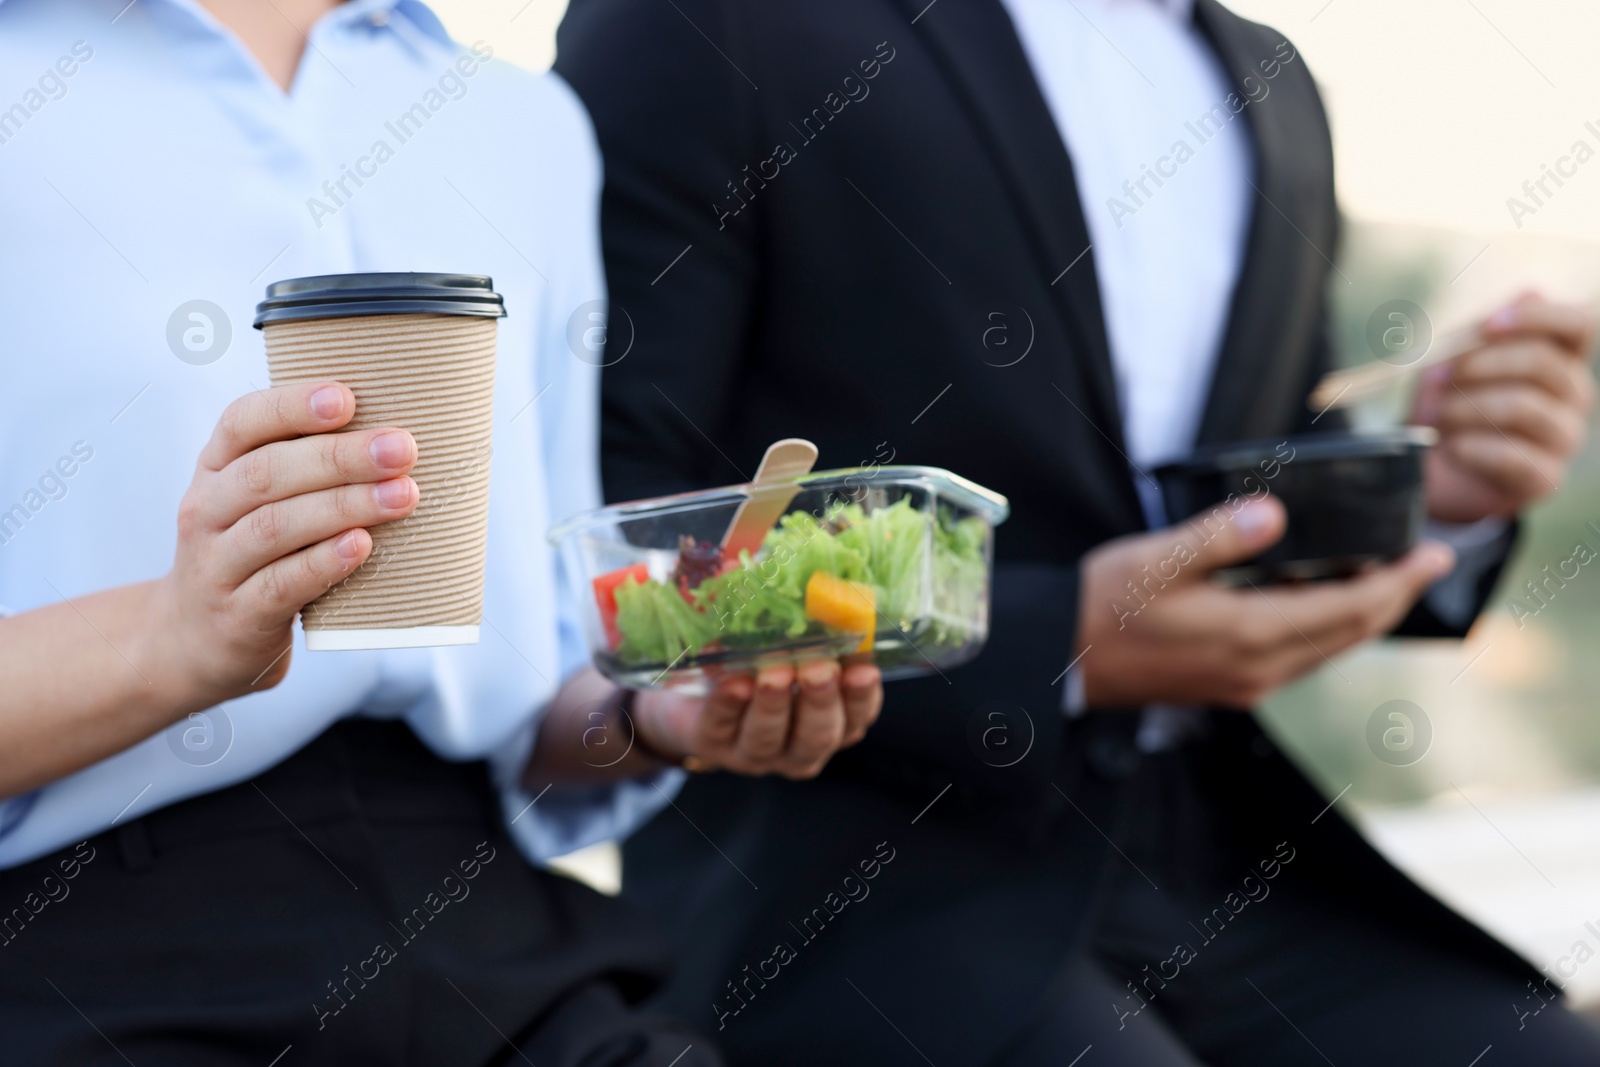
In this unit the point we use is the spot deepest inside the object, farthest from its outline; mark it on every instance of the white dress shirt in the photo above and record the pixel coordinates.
(1164, 164)
(1125, 80)
(146, 161)
(1122, 78)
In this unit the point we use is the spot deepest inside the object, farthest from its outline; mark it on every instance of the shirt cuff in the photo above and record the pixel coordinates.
(14, 809)
(555, 821)
(1073, 702)
(1161, 726)
(1478, 547)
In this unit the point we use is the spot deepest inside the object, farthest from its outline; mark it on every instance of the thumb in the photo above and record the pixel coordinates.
(1219, 538)
(1412, 574)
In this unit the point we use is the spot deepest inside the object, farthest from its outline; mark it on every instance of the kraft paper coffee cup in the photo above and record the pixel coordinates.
(418, 351)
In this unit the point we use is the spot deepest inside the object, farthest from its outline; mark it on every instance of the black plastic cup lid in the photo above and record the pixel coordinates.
(1242, 455)
(336, 296)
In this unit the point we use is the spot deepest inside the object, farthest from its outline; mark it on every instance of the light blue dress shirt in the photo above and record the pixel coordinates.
(147, 162)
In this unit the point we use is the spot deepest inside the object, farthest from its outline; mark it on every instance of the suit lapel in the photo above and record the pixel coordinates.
(1257, 388)
(1258, 385)
(975, 44)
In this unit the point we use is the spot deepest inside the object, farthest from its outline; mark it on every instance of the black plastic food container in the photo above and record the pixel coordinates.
(1352, 498)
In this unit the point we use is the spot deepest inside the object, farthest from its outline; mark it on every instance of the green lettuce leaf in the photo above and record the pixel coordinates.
(912, 561)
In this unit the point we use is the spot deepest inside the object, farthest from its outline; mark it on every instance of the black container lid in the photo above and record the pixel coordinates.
(1240, 455)
(333, 296)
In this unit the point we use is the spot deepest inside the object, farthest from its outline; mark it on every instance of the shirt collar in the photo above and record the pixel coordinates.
(1182, 10)
(382, 12)
(372, 12)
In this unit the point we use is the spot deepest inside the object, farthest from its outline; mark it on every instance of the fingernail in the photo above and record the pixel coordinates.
(817, 676)
(391, 450)
(1505, 318)
(348, 546)
(327, 402)
(395, 493)
(1441, 560)
(1254, 519)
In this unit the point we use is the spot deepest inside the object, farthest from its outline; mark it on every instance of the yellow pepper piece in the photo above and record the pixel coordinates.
(844, 605)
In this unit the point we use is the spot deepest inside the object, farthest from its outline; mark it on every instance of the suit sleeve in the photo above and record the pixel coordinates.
(682, 273)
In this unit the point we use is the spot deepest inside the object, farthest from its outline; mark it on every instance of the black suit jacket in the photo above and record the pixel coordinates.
(816, 213)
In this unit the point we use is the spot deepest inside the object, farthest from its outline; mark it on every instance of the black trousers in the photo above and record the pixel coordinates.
(358, 904)
(1207, 950)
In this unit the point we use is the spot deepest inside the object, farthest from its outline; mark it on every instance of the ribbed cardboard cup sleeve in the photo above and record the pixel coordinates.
(432, 375)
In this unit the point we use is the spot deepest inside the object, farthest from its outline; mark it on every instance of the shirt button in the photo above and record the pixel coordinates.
(378, 18)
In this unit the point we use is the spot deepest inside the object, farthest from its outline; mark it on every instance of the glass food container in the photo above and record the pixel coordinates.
(889, 564)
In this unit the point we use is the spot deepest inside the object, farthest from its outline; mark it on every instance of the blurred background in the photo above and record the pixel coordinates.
(1441, 110)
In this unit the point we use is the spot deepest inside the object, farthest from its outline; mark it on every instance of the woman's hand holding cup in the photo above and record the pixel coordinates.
(276, 515)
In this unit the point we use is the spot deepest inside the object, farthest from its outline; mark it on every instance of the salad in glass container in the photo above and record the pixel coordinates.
(887, 563)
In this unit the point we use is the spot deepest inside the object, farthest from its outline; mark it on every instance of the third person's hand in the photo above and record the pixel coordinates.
(1511, 413)
(785, 720)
